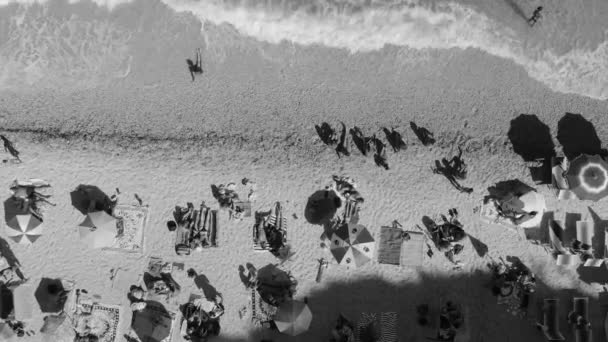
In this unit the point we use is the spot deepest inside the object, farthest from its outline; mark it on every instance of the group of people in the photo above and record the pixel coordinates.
(193, 227)
(365, 144)
(201, 318)
(454, 170)
(447, 234)
(515, 278)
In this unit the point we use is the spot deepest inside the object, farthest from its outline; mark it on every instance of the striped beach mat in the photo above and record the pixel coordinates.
(387, 322)
(394, 250)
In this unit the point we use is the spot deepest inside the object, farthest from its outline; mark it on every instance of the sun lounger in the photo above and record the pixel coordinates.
(558, 181)
(585, 232)
(23, 301)
(268, 220)
(351, 209)
(550, 323)
(182, 240)
(568, 260)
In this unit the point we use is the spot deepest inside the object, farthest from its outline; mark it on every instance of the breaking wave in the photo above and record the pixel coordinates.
(366, 25)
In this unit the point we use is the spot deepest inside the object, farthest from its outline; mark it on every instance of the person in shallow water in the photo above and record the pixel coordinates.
(535, 16)
(195, 67)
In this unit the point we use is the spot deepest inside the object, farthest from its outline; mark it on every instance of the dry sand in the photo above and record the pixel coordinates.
(252, 114)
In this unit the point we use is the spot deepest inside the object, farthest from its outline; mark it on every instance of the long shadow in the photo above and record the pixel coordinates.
(577, 136)
(487, 320)
(202, 282)
(517, 9)
(321, 207)
(599, 227)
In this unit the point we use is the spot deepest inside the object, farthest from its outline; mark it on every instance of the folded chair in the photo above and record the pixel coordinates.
(550, 324)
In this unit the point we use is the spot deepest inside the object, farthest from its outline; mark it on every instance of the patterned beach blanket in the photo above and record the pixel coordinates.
(131, 224)
(387, 323)
(260, 311)
(111, 314)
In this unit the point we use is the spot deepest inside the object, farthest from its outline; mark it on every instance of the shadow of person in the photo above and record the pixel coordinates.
(204, 285)
(245, 279)
(394, 139)
(517, 9)
(423, 134)
(321, 207)
(326, 133)
(577, 136)
(361, 142)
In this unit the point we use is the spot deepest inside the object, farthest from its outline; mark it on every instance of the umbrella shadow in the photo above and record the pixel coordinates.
(577, 136)
(504, 189)
(531, 139)
(321, 207)
(479, 247)
(599, 227)
(90, 198)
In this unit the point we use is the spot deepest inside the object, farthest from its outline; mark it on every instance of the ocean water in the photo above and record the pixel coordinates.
(567, 50)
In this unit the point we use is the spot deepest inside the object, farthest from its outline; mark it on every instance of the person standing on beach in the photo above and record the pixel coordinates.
(195, 67)
(535, 16)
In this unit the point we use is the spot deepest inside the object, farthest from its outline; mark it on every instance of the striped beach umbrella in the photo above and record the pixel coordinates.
(24, 229)
(98, 230)
(587, 177)
(352, 245)
(293, 317)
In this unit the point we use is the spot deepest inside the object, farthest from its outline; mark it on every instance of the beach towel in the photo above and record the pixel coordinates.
(390, 245)
(412, 250)
(261, 311)
(111, 314)
(384, 326)
(132, 221)
(268, 220)
(558, 181)
(156, 270)
(243, 208)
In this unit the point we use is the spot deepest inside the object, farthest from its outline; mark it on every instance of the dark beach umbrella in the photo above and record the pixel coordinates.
(321, 207)
(531, 138)
(273, 284)
(13, 207)
(85, 195)
(577, 136)
(153, 323)
(50, 295)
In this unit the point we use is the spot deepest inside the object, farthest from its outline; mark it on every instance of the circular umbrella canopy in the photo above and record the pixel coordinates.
(293, 318)
(587, 177)
(50, 295)
(98, 230)
(24, 229)
(352, 245)
(86, 197)
(153, 323)
(273, 284)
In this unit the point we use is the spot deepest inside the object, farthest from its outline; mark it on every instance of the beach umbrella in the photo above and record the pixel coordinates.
(153, 323)
(86, 197)
(273, 284)
(15, 206)
(587, 177)
(293, 317)
(50, 295)
(24, 229)
(98, 230)
(352, 245)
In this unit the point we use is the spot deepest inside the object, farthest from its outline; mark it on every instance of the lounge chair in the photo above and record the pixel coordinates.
(182, 240)
(550, 324)
(581, 308)
(555, 236)
(585, 232)
(23, 301)
(558, 181)
(351, 210)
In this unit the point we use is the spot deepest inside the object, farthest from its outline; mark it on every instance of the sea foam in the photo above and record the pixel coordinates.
(367, 25)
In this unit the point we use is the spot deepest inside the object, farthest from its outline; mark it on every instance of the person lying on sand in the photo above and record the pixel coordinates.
(512, 208)
(341, 149)
(327, 134)
(394, 139)
(380, 154)
(195, 67)
(423, 134)
(451, 174)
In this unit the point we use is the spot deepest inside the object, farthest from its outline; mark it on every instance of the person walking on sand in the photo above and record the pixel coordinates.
(8, 147)
(195, 67)
(535, 16)
(341, 149)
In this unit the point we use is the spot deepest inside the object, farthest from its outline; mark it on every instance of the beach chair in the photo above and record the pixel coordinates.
(550, 323)
(23, 302)
(555, 236)
(182, 240)
(558, 181)
(211, 227)
(351, 210)
(585, 232)
(581, 308)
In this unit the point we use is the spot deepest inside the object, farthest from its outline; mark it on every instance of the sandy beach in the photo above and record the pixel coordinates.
(122, 112)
